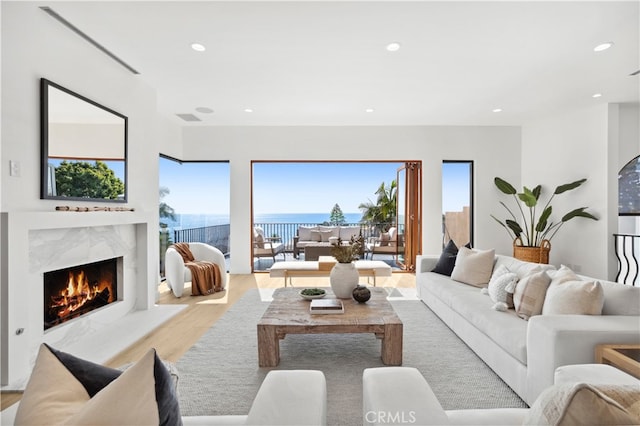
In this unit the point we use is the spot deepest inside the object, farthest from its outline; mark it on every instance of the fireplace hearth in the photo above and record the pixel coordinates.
(72, 292)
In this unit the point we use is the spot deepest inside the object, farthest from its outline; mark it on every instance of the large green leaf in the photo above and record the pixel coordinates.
(578, 213)
(569, 186)
(537, 191)
(504, 186)
(514, 226)
(544, 217)
(528, 197)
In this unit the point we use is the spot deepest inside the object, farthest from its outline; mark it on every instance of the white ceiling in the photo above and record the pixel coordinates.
(324, 63)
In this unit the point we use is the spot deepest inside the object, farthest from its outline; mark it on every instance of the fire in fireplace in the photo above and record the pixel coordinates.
(72, 292)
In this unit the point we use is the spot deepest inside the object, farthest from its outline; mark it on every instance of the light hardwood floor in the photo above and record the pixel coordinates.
(173, 338)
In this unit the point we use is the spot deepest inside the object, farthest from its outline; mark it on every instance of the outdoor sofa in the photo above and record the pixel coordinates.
(526, 353)
(316, 235)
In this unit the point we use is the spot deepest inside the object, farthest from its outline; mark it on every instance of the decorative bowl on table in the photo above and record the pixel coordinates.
(312, 293)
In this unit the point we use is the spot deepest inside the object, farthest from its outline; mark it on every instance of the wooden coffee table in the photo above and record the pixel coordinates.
(288, 313)
(623, 357)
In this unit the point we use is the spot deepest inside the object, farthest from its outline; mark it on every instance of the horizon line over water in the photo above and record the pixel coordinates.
(188, 221)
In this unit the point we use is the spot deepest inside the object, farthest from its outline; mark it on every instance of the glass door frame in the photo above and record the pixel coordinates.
(409, 225)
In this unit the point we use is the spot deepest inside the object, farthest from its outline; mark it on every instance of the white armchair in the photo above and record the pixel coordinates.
(177, 274)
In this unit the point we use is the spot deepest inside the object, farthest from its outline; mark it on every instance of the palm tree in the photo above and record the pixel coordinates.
(165, 211)
(383, 213)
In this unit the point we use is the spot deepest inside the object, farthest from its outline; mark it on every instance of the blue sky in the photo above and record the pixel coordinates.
(316, 187)
(456, 186)
(197, 187)
(294, 187)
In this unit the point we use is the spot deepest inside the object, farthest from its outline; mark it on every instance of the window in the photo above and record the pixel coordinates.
(194, 203)
(457, 206)
(629, 189)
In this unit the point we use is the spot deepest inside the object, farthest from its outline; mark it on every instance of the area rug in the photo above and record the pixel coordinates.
(220, 374)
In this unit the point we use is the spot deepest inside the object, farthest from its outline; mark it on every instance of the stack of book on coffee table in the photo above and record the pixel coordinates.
(326, 306)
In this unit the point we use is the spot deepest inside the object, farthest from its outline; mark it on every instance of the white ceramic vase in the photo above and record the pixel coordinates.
(344, 278)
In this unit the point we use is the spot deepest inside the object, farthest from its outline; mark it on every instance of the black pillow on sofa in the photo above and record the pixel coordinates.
(447, 259)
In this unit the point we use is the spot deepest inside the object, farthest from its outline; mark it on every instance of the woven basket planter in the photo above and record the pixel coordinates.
(532, 254)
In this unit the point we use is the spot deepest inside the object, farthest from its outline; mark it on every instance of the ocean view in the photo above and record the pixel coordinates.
(188, 221)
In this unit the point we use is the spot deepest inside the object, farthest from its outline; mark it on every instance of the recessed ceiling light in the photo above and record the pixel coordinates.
(393, 47)
(497, 110)
(603, 46)
(204, 110)
(198, 47)
(368, 110)
(596, 95)
(248, 110)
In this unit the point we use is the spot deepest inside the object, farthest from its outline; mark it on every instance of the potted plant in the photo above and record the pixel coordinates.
(532, 231)
(344, 276)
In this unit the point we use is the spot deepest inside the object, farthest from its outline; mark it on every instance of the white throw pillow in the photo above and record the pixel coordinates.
(334, 230)
(562, 275)
(574, 297)
(473, 266)
(531, 290)
(502, 285)
(304, 233)
(325, 235)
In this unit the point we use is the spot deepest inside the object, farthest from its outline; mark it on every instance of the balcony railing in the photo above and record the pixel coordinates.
(216, 235)
(627, 249)
(286, 231)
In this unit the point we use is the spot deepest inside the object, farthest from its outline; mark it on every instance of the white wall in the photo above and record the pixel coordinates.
(578, 144)
(629, 117)
(493, 149)
(56, 53)
(34, 46)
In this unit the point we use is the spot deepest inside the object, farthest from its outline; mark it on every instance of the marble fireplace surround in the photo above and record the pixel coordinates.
(45, 241)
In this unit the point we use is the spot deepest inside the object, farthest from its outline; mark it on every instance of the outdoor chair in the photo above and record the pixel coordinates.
(386, 243)
(266, 246)
(177, 273)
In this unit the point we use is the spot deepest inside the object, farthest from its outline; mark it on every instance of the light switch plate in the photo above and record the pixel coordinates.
(14, 168)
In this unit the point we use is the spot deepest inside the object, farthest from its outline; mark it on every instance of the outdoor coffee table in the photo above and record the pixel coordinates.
(288, 313)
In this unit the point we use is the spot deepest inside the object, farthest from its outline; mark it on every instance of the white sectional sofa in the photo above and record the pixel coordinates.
(523, 353)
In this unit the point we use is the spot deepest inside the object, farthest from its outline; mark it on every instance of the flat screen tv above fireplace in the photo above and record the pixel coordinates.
(75, 291)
